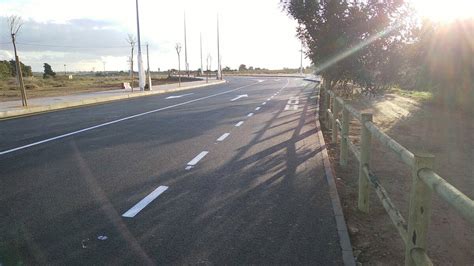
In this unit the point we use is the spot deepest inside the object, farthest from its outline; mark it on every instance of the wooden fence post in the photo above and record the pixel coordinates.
(420, 208)
(344, 137)
(327, 105)
(323, 95)
(335, 128)
(366, 138)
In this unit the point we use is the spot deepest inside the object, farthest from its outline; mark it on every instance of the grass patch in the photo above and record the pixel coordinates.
(416, 95)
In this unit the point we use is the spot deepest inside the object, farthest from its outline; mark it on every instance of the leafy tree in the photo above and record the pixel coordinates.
(5, 70)
(8, 69)
(349, 40)
(242, 67)
(48, 71)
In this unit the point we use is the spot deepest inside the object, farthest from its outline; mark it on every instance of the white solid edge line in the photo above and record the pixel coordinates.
(118, 120)
(239, 124)
(196, 159)
(144, 202)
(223, 137)
(249, 115)
(258, 108)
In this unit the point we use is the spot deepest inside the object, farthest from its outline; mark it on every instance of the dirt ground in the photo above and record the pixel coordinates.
(421, 127)
(37, 87)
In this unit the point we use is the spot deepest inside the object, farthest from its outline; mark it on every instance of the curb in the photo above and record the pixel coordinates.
(344, 239)
(91, 101)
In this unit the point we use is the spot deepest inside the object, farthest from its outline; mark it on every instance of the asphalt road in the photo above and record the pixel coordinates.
(197, 179)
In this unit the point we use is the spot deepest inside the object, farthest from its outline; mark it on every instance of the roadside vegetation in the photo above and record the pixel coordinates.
(378, 45)
(60, 84)
(417, 79)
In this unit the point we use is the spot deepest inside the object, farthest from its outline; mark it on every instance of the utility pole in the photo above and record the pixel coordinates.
(141, 73)
(15, 25)
(65, 72)
(148, 68)
(186, 65)
(178, 51)
(301, 60)
(103, 62)
(219, 70)
(209, 61)
(200, 40)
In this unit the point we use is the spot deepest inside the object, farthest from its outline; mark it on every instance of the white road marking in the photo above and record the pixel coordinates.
(240, 96)
(119, 120)
(196, 159)
(178, 96)
(223, 137)
(249, 115)
(264, 103)
(144, 202)
(261, 80)
(239, 124)
(258, 108)
(269, 99)
(292, 103)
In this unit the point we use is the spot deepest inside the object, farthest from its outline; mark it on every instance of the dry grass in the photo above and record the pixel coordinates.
(61, 85)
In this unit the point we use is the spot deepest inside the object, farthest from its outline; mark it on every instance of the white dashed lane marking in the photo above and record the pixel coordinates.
(223, 137)
(144, 202)
(239, 124)
(196, 159)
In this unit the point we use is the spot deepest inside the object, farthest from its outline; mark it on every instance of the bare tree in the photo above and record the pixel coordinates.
(131, 41)
(178, 51)
(15, 23)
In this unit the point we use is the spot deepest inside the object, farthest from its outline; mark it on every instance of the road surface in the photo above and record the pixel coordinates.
(228, 174)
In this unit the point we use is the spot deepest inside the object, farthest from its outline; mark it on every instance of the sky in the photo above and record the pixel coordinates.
(90, 34)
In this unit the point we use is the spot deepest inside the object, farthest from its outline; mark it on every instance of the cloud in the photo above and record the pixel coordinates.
(72, 42)
(253, 32)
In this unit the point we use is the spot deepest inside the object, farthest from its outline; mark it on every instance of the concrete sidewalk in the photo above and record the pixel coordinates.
(13, 109)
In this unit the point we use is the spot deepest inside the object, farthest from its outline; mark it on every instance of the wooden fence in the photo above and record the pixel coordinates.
(336, 116)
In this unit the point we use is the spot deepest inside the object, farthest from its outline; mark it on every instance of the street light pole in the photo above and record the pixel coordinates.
(185, 47)
(301, 60)
(148, 68)
(141, 74)
(219, 70)
(200, 40)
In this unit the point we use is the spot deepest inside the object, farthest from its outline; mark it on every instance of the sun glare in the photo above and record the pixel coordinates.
(444, 11)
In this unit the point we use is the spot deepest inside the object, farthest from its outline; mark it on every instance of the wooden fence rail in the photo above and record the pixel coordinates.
(337, 114)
